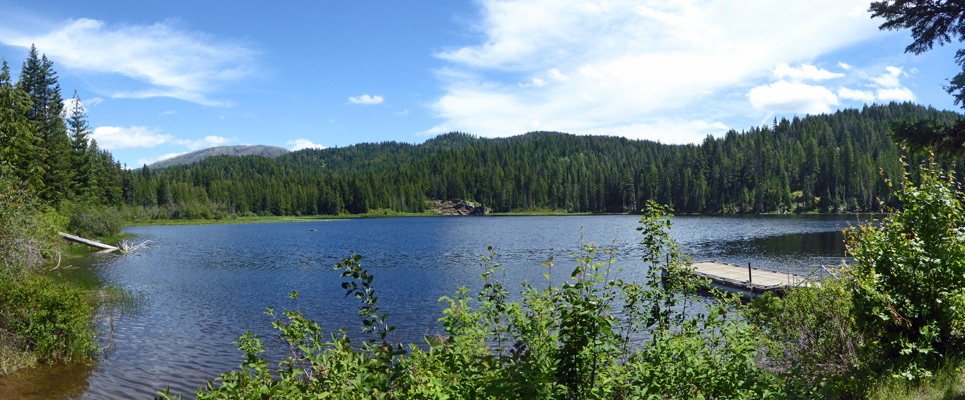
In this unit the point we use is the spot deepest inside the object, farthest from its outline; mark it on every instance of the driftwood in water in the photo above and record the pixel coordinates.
(92, 243)
(127, 247)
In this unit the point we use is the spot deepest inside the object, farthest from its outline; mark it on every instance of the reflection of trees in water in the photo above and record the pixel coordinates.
(796, 253)
(824, 244)
(48, 382)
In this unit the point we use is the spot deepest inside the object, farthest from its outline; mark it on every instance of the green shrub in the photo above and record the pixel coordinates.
(909, 284)
(52, 320)
(26, 235)
(812, 342)
(95, 221)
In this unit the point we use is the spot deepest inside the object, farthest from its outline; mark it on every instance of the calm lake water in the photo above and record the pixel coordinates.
(200, 287)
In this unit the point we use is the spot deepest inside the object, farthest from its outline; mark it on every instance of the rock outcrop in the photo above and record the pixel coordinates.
(450, 207)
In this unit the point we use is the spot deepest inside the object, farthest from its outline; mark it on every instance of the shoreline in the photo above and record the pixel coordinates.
(345, 217)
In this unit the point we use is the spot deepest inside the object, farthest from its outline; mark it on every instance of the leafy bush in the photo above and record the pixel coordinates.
(909, 284)
(52, 320)
(25, 237)
(812, 342)
(95, 221)
(558, 342)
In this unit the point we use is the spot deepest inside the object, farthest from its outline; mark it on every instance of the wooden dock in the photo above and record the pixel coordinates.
(751, 282)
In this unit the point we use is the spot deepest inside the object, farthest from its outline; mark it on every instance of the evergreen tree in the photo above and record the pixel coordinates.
(39, 81)
(19, 144)
(78, 130)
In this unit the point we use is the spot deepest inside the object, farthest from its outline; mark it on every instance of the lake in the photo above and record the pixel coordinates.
(198, 288)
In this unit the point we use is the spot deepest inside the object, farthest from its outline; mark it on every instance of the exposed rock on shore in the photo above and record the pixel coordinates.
(460, 207)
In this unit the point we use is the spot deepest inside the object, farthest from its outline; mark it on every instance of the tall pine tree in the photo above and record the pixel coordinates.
(19, 144)
(78, 130)
(39, 80)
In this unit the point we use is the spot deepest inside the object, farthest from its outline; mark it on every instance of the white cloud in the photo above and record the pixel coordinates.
(536, 82)
(300, 144)
(805, 72)
(152, 160)
(888, 85)
(889, 79)
(163, 59)
(895, 94)
(116, 137)
(859, 95)
(366, 99)
(556, 75)
(403, 112)
(207, 141)
(613, 65)
(787, 97)
(844, 66)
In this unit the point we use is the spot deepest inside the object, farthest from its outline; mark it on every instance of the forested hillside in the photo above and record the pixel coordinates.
(45, 143)
(828, 163)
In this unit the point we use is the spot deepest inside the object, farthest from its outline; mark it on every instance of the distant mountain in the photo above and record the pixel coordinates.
(238, 151)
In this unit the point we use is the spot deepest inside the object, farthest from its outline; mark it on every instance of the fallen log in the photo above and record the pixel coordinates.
(92, 243)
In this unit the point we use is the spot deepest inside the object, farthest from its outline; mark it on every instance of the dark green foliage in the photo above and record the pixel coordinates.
(813, 345)
(19, 145)
(39, 81)
(909, 283)
(25, 236)
(931, 136)
(95, 221)
(42, 167)
(81, 163)
(830, 163)
(51, 319)
(53, 157)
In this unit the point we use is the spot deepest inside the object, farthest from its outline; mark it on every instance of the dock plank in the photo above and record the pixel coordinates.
(755, 282)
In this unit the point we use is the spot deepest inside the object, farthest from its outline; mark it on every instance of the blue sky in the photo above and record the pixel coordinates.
(164, 78)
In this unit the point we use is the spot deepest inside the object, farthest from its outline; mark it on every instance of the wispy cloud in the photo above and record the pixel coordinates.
(620, 65)
(366, 99)
(163, 59)
(863, 96)
(804, 72)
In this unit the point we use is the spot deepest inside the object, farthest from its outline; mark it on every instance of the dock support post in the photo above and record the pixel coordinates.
(750, 276)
